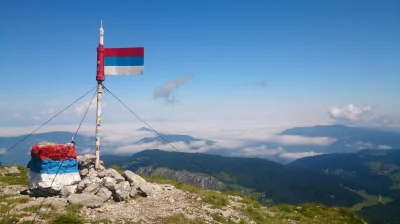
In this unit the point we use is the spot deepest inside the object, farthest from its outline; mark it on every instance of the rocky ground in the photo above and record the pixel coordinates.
(118, 197)
(111, 196)
(166, 201)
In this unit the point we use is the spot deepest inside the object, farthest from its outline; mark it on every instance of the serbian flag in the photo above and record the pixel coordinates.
(123, 61)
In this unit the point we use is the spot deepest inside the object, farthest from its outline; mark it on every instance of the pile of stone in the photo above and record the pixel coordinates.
(9, 170)
(97, 187)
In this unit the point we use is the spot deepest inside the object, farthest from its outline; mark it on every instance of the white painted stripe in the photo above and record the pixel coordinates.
(36, 180)
(123, 70)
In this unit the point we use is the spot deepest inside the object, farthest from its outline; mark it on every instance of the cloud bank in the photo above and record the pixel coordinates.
(350, 113)
(361, 116)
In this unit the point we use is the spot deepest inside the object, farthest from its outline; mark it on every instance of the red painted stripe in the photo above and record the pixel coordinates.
(54, 152)
(123, 52)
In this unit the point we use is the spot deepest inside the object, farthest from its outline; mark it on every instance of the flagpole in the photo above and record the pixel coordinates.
(100, 78)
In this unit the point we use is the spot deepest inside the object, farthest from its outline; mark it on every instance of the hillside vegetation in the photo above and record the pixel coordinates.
(213, 203)
(277, 182)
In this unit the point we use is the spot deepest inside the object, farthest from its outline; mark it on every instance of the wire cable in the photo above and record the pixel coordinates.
(73, 138)
(83, 118)
(27, 136)
(168, 142)
(76, 132)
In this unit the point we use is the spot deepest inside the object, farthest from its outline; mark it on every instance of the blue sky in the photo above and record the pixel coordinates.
(312, 56)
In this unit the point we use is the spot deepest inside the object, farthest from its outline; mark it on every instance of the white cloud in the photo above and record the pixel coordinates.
(88, 151)
(360, 145)
(180, 146)
(165, 91)
(300, 140)
(47, 112)
(363, 116)
(349, 113)
(264, 152)
(260, 151)
(81, 108)
(231, 137)
(198, 143)
(385, 147)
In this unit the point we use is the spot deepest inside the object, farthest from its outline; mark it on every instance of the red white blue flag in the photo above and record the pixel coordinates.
(123, 61)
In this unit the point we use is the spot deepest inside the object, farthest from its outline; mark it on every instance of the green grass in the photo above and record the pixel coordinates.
(9, 220)
(177, 219)
(214, 198)
(12, 202)
(370, 200)
(73, 208)
(315, 213)
(17, 178)
(4, 209)
(66, 219)
(279, 214)
(118, 169)
(34, 208)
(11, 199)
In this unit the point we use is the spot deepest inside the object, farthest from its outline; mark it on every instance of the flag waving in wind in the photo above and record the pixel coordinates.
(123, 61)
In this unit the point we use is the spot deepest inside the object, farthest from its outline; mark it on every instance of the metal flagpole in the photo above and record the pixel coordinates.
(100, 78)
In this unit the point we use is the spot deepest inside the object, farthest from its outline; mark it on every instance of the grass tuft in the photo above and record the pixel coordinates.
(73, 208)
(66, 219)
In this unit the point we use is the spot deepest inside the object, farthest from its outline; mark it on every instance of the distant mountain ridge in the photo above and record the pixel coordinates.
(281, 183)
(377, 169)
(348, 139)
(174, 138)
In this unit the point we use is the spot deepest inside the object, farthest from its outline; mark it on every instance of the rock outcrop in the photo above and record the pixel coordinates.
(99, 186)
(198, 180)
(9, 170)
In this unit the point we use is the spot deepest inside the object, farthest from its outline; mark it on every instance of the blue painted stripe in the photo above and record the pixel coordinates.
(48, 166)
(123, 61)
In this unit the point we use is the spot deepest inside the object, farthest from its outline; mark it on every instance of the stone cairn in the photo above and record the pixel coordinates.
(91, 188)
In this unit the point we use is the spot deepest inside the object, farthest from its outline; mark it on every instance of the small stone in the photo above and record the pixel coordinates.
(92, 188)
(104, 193)
(113, 173)
(3, 203)
(132, 177)
(101, 168)
(145, 189)
(122, 191)
(11, 170)
(82, 185)
(100, 210)
(133, 192)
(87, 200)
(199, 199)
(67, 190)
(110, 183)
(84, 172)
(102, 174)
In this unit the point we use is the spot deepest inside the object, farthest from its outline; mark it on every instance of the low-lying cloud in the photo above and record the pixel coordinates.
(265, 152)
(385, 147)
(360, 145)
(362, 116)
(350, 113)
(80, 109)
(166, 91)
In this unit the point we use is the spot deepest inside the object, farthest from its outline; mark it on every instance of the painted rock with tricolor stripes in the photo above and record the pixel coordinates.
(52, 166)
